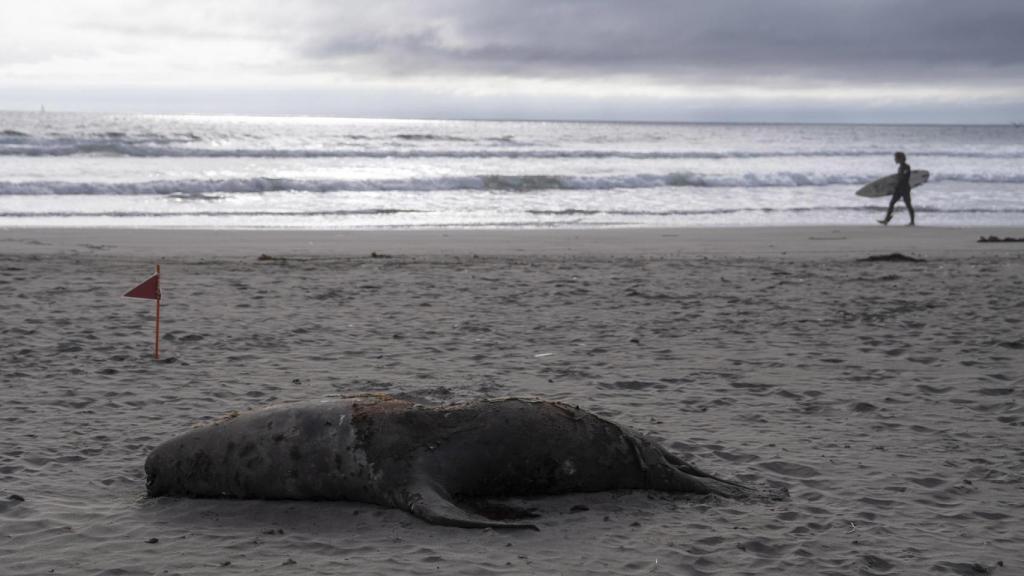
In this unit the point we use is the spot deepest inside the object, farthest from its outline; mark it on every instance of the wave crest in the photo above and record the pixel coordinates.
(188, 145)
(487, 182)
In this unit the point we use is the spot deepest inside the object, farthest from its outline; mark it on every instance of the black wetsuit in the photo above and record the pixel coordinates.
(903, 179)
(902, 191)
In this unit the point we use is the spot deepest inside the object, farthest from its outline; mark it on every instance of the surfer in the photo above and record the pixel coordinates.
(902, 190)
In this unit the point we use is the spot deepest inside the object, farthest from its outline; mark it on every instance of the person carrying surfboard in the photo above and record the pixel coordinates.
(902, 190)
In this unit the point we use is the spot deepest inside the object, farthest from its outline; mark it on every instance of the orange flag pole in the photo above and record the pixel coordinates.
(150, 290)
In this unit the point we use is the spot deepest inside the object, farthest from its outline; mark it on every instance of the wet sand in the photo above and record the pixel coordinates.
(886, 396)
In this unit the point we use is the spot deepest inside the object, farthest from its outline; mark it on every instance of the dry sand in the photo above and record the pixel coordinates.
(887, 396)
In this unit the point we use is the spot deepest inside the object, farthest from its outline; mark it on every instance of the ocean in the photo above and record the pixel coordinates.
(223, 172)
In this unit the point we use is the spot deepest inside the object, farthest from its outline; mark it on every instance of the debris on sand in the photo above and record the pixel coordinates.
(998, 239)
(894, 257)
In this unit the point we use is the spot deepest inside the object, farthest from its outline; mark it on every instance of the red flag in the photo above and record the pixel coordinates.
(150, 289)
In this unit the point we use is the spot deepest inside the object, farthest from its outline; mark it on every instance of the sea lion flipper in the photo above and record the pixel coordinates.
(688, 478)
(429, 502)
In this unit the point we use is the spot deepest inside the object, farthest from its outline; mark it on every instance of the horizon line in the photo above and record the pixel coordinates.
(525, 119)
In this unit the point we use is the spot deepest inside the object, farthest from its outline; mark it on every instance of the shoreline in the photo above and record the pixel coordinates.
(791, 242)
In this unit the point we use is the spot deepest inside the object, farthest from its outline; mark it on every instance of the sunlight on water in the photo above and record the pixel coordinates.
(331, 173)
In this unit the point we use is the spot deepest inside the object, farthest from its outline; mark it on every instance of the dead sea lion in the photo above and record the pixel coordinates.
(418, 458)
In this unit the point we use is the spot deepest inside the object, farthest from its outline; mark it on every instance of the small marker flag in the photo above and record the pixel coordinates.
(150, 289)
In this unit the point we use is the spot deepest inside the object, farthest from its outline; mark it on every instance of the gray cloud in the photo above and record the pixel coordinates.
(769, 60)
(887, 40)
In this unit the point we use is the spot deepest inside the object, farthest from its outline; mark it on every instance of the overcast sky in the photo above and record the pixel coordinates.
(944, 61)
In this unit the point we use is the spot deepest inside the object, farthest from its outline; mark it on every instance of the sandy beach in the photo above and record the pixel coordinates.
(886, 396)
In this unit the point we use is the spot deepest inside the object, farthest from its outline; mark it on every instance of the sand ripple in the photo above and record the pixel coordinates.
(887, 400)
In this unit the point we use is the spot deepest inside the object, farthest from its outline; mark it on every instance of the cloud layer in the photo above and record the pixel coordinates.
(853, 55)
(823, 40)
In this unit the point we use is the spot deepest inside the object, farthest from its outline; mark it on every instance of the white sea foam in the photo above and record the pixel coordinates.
(496, 182)
(163, 147)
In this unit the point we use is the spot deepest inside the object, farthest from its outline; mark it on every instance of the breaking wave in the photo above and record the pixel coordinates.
(496, 182)
(188, 145)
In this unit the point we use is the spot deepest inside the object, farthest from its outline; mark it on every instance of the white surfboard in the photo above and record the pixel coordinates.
(887, 185)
